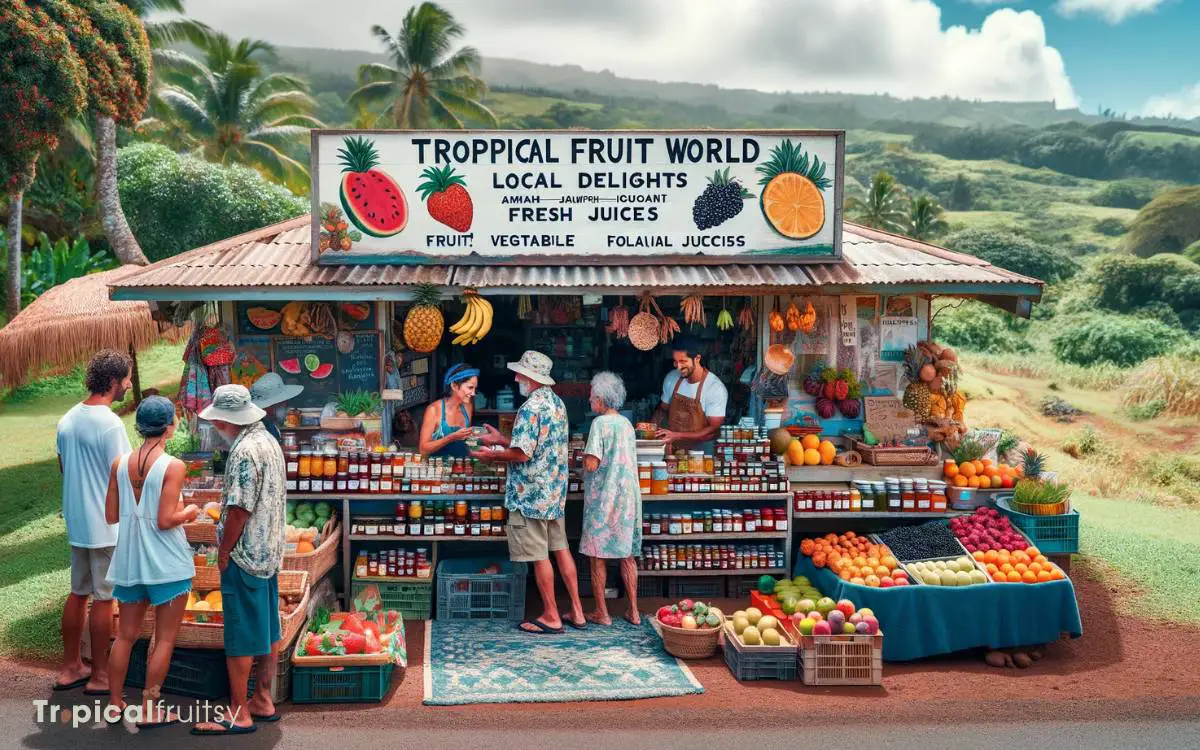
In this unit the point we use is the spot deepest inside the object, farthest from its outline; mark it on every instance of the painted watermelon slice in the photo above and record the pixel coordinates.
(263, 318)
(322, 372)
(290, 366)
(373, 200)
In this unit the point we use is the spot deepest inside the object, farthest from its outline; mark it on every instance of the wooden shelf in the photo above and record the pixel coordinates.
(719, 497)
(730, 536)
(844, 475)
(406, 496)
(698, 573)
(799, 515)
(422, 538)
(392, 579)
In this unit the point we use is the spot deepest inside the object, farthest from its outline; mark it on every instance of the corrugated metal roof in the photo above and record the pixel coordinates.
(280, 256)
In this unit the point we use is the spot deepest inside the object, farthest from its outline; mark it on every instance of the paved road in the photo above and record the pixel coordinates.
(307, 730)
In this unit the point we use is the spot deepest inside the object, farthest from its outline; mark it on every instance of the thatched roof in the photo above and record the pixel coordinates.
(69, 323)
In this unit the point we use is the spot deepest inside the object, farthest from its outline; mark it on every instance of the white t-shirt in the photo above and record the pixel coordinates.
(713, 398)
(90, 438)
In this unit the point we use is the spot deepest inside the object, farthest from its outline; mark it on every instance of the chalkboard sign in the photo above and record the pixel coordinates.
(358, 369)
(311, 363)
(251, 315)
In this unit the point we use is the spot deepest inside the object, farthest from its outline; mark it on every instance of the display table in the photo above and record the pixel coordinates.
(922, 621)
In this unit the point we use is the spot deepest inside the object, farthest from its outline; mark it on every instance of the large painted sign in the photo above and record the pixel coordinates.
(630, 196)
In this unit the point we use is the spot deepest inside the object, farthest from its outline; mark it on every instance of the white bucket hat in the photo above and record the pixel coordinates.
(535, 366)
(232, 404)
(270, 390)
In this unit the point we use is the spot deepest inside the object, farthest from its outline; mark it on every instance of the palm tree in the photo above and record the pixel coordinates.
(428, 84)
(925, 218)
(236, 112)
(882, 206)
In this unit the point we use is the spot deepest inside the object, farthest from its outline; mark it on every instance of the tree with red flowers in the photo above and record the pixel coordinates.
(42, 87)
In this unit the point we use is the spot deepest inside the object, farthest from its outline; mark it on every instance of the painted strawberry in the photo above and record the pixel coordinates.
(841, 389)
(446, 198)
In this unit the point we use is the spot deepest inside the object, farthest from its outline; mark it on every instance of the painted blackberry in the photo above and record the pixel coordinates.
(721, 200)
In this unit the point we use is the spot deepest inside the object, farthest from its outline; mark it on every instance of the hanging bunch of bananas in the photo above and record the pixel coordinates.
(724, 318)
(524, 307)
(475, 322)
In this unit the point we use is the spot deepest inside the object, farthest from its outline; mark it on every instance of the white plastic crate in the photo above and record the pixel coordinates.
(841, 660)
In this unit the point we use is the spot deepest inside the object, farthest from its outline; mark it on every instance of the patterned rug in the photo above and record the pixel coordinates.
(492, 662)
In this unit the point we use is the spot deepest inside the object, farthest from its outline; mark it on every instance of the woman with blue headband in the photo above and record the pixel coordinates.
(447, 421)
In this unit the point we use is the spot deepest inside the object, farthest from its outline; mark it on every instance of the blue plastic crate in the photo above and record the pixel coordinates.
(463, 593)
(1053, 535)
(341, 684)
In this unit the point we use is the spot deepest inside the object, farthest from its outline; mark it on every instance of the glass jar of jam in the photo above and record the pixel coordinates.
(304, 471)
(292, 463)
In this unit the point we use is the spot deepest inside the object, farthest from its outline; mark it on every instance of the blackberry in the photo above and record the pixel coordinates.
(721, 200)
(927, 541)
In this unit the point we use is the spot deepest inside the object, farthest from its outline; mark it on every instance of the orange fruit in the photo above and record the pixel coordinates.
(873, 562)
(1036, 567)
(991, 556)
(1007, 482)
(844, 574)
(999, 577)
(793, 206)
(960, 480)
(810, 441)
(827, 451)
(973, 482)
(978, 466)
(882, 571)
(858, 581)
(1057, 575)
(990, 471)
(1019, 470)
(1014, 577)
(986, 461)
(950, 469)
(1032, 551)
(1006, 568)
(1021, 567)
(1029, 577)
(1043, 576)
(992, 569)
(1020, 557)
(967, 469)
(978, 555)
(1042, 559)
(1005, 468)
(889, 561)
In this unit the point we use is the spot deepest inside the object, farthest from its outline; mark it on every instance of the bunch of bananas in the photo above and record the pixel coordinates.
(724, 320)
(476, 320)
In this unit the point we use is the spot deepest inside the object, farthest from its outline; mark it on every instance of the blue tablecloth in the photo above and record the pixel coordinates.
(920, 621)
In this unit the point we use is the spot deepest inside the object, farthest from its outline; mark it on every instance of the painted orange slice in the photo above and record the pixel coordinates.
(793, 206)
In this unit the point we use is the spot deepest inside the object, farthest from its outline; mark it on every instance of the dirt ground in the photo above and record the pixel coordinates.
(1121, 668)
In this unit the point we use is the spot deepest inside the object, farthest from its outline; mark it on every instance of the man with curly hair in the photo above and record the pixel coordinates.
(90, 437)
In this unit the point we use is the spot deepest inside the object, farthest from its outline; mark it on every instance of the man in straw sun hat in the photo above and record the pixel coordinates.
(536, 493)
(271, 394)
(251, 536)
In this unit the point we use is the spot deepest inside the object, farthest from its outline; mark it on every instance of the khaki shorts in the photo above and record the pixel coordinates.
(89, 572)
(533, 539)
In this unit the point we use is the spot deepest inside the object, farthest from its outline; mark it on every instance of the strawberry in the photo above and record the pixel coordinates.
(354, 643)
(352, 625)
(446, 198)
(371, 643)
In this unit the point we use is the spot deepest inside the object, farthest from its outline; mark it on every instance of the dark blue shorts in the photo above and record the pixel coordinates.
(251, 611)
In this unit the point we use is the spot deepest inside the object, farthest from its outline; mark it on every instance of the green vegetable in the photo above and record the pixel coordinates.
(319, 619)
(358, 402)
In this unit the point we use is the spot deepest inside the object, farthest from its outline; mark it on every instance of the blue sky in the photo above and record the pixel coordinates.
(1118, 57)
(1134, 56)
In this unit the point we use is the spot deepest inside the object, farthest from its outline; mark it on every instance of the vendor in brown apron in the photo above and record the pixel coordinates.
(689, 425)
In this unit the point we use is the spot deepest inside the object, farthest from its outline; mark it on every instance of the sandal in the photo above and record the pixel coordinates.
(577, 626)
(265, 718)
(540, 628)
(58, 686)
(228, 727)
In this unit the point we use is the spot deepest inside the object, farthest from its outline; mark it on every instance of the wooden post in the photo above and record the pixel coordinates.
(137, 382)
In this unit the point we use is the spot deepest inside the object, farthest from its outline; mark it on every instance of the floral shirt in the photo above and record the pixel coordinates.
(537, 488)
(254, 481)
(612, 495)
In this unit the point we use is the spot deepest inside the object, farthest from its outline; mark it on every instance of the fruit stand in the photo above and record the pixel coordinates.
(428, 249)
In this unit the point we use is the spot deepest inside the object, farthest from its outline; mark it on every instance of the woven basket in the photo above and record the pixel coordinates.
(876, 456)
(1041, 509)
(681, 643)
(643, 331)
(201, 532)
(318, 562)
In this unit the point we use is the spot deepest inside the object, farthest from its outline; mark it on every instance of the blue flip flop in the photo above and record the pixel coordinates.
(542, 628)
(228, 728)
(265, 718)
(58, 686)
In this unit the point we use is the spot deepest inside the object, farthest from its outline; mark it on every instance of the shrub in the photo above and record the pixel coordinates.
(1192, 252)
(1124, 283)
(1123, 194)
(1174, 381)
(1115, 339)
(1168, 224)
(1014, 252)
(175, 203)
(1110, 227)
(1146, 411)
(978, 327)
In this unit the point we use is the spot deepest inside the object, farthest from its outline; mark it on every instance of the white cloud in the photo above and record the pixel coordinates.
(990, 2)
(898, 47)
(1113, 11)
(1184, 103)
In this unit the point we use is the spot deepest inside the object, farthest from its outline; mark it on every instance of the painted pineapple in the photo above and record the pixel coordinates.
(424, 324)
(917, 396)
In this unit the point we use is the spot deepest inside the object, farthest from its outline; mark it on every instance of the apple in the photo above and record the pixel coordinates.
(689, 622)
(900, 581)
(886, 582)
(862, 628)
(855, 618)
(806, 626)
(836, 619)
(872, 625)
(805, 605)
(686, 605)
(849, 628)
(663, 613)
(845, 606)
(825, 605)
(816, 616)
(866, 612)
(822, 628)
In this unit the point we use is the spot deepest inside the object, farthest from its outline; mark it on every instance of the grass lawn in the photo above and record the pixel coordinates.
(34, 559)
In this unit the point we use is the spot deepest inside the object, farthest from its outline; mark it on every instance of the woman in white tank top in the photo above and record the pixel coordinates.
(152, 564)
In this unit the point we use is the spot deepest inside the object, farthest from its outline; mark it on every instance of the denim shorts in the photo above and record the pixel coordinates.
(251, 612)
(155, 593)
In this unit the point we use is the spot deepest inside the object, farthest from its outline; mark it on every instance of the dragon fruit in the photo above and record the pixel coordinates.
(841, 389)
(812, 385)
(849, 408)
(828, 391)
(825, 408)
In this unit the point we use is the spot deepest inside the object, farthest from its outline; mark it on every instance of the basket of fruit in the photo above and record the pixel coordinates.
(203, 530)
(758, 647)
(690, 630)
(896, 455)
(319, 559)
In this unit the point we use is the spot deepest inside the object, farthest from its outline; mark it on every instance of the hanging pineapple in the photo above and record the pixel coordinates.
(793, 317)
(424, 324)
(917, 393)
(808, 319)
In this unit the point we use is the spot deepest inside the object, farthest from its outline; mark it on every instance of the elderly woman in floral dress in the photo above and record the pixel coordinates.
(612, 499)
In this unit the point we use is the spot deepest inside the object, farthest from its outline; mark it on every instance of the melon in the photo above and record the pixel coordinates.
(263, 318)
(311, 362)
(373, 200)
(780, 440)
(290, 366)
(322, 372)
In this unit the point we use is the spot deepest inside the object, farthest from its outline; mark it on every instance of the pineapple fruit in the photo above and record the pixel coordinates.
(424, 324)
(917, 396)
